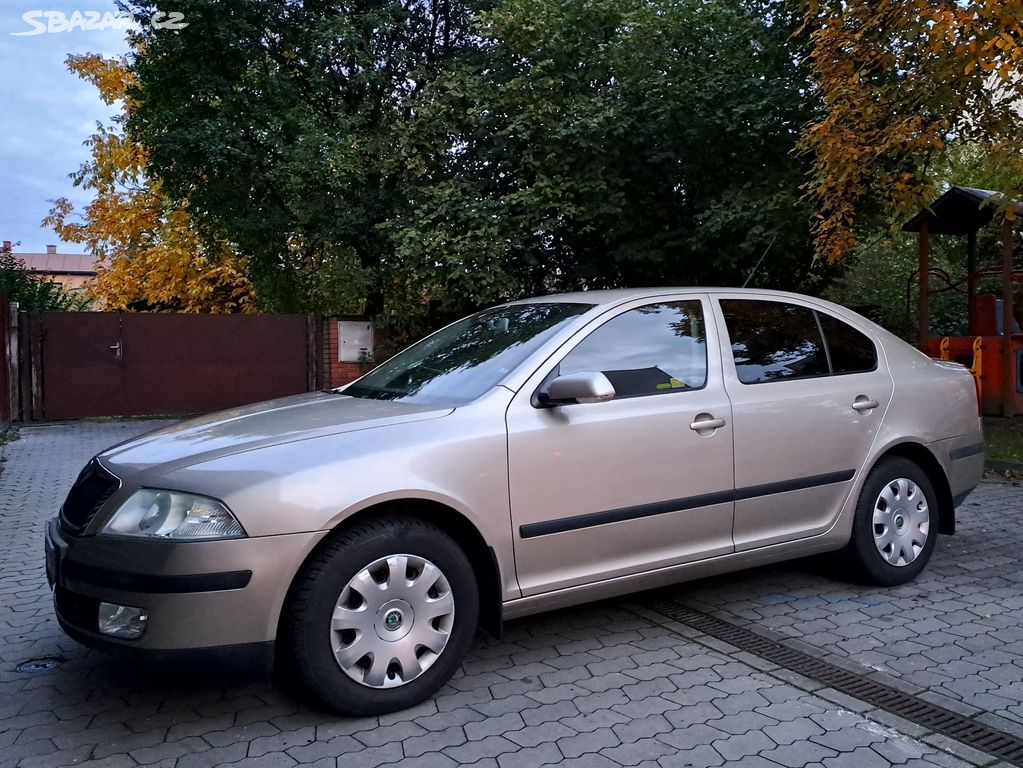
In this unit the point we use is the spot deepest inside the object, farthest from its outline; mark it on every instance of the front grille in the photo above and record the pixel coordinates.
(87, 496)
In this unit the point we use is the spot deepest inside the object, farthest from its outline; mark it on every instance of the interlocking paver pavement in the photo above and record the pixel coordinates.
(602, 685)
(956, 632)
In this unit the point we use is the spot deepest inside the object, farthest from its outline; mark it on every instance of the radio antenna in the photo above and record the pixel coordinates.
(761, 261)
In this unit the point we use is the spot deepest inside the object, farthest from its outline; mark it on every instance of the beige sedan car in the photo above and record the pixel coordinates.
(536, 455)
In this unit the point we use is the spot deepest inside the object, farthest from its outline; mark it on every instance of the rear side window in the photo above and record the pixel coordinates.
(772, 340)
(850, 350)
(650, 350)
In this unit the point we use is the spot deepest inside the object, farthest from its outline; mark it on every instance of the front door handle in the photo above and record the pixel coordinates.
(706, 422)
(863, 404)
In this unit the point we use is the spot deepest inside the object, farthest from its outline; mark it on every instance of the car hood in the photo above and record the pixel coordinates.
(263, 424)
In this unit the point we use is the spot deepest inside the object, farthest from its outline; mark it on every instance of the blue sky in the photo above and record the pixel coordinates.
(47, 114)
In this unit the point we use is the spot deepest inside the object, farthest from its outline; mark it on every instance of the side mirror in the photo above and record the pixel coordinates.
(587, 387)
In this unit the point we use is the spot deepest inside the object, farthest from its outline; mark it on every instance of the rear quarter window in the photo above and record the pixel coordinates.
(851, 351)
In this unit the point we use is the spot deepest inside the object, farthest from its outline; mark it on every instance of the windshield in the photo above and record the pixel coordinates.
(459, 363)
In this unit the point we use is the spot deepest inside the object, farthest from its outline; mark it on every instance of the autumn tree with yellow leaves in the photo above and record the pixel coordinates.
(901, 82)
(148, 251)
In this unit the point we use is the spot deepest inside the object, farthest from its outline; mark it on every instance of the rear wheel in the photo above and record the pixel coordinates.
(895, 527)
(381, 617)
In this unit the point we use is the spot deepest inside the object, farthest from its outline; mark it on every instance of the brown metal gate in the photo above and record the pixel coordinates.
(120, 364)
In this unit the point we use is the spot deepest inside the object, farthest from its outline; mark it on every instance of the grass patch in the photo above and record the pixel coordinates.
(8, 434)
(1004, 439)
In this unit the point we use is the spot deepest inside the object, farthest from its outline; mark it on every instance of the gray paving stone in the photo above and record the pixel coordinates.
(591, 741)
(692, 736)
(549, 712)
(743, 722)
(494, 726)
(113, 761)
(242, 733)
(56, 759)
(434, 760)
(703, 756)
(790, 731)
(591, 721)
(282, 741)
(641, 728)
(743, 746)
(531, 757)
(849, 739)
(799, 753)
(532, 735)
(491, 746)
(861, 757)
(374, 757)
(323, 748)
(636, 752)
(434, 741)
(389, 733)
(214, 756)
(594, 686)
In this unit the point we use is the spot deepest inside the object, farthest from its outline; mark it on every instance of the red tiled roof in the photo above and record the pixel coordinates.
(59, 263)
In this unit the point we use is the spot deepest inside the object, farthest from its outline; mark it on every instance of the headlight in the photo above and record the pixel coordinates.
(173, 515)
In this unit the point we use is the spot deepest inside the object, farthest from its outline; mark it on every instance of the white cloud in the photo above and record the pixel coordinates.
(47, 114)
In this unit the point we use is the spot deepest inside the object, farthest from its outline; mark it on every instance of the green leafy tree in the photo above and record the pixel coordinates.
(423, 159)
(613, 142)
(275, 120)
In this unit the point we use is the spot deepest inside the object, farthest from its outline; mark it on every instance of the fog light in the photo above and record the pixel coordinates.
(122, 621)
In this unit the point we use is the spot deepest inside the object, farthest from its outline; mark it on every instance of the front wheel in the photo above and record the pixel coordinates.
(895, 527)
(381, 617)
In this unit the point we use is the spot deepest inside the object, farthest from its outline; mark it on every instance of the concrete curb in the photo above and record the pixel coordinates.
(1003, 466)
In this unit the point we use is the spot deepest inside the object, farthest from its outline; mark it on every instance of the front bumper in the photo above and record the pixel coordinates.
(199, 594)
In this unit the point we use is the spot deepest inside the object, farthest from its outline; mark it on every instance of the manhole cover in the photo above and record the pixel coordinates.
(45, 664)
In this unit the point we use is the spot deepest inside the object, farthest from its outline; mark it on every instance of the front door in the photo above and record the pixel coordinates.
(600, 490)
(808, 393)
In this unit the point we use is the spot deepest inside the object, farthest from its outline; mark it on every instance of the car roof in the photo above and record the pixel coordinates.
(614, 296)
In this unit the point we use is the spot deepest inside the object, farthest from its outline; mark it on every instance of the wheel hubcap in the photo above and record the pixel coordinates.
(901, 522)
(392, 621)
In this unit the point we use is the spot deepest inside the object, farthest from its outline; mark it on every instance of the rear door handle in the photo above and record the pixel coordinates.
(705, 421)
(863, 404)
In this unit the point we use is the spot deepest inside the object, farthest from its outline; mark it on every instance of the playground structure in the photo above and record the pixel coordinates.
(993, 346)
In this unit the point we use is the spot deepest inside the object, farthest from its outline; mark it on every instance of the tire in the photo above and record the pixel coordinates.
(896, 524)
(404, 566)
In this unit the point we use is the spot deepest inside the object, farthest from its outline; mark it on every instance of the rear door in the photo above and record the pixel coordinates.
(808, 393)
(601, 490)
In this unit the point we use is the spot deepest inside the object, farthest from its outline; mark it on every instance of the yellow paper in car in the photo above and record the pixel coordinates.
(673, 384)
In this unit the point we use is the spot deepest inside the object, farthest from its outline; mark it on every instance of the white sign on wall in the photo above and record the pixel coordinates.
(355, 341)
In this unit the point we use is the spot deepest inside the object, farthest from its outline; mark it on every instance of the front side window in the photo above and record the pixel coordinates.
(772, 340)
(463, 361)
(649, 350)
